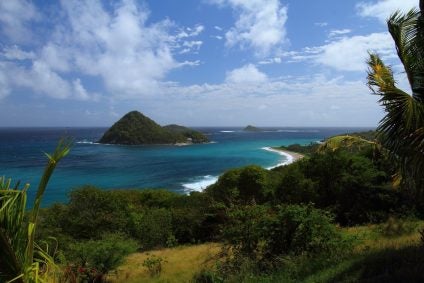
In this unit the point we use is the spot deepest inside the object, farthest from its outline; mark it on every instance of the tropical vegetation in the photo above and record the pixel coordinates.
(401, 131)
(134, 129)
(334, 216)
(22, 259)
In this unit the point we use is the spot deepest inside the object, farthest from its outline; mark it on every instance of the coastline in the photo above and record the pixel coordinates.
(290, 155)
(203, 182)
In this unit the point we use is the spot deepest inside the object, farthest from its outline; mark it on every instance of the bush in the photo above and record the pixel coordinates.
(262, 235)
(242, 186)
(154, 265)
(93, 212)
(397, 227)
(93, 259)
(155, 228)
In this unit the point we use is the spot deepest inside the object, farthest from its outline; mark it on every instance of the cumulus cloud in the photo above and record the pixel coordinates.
(260, 24)
(248, 74)
(15, 18)
(350, 53)
(382, 9)
(347, 53)
(118, 46)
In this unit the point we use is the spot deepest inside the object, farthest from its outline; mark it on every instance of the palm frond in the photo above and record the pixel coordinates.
(407, 31)
(17, 245)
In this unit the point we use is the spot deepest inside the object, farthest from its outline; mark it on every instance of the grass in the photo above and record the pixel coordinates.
(181, 263)
(376, 258)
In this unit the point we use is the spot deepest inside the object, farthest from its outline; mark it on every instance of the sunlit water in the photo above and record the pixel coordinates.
(177, 168)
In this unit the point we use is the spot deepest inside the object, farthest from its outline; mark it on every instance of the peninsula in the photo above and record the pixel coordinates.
(134, 128)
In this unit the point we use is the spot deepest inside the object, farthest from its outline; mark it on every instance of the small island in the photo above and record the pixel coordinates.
(251, 128)
(134, 128)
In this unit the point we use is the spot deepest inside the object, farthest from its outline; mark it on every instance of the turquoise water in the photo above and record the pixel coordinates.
(177, 168)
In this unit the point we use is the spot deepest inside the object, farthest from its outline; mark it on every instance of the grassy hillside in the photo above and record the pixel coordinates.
(180, 264)
(389, 252)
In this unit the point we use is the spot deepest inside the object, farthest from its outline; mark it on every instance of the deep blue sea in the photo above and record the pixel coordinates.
(177, 168)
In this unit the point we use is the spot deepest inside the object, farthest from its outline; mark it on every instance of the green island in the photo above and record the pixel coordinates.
(351, 210)
(250, 128)
(136, 129)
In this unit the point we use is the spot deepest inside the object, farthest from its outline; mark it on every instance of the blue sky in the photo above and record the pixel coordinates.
(193, 62)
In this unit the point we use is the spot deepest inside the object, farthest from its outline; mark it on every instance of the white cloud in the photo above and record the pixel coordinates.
(339, 32)
(217, 37)
(191, 32)
(42, 79)
(382, 9)
(350, 53)
(260, 24)
(118, 47)
(247, 74)
(15, 53)
(308, 101)
(274, 60)
(191, 46)
(347, 53)
(15, 17)
(79, 91)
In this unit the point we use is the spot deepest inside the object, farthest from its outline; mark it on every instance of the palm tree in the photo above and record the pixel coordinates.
(401, 131)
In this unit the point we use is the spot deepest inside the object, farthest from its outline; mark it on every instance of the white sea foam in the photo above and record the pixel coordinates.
(227, 131)
(289, 157)
(85, 142)
(199, 184)
(90, 142)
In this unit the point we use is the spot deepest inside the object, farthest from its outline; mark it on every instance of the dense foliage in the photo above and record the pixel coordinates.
(135, 128)
(262, 215)
(265, 234)
(401, 131)
(195, 136)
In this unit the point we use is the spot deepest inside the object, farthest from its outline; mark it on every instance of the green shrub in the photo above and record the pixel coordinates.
(155, 228)
(263, 235)
(397, 227)
(242, 186)
(93, 212)
(154, 265)
(95, 258)
(206, 276)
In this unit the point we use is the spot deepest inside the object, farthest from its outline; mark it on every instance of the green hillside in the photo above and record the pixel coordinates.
(136, 129)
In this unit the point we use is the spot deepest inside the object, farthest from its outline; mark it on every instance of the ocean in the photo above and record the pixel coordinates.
(181, 169)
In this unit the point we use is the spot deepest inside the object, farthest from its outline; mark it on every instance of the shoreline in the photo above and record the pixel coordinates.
(203, 182)
(290, 155)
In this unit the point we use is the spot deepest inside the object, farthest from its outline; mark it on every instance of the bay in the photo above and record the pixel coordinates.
(181, 169)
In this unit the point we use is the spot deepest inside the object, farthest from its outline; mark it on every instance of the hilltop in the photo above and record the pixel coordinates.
(134, 128)
(251, 128)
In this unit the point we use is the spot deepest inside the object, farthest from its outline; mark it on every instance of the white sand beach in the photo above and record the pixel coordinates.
(290, 155)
